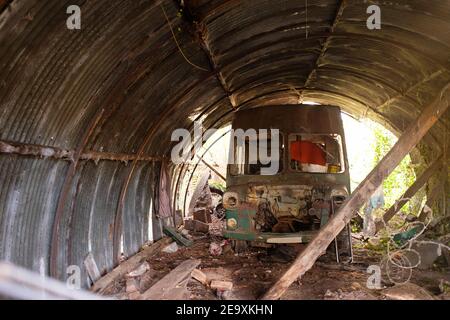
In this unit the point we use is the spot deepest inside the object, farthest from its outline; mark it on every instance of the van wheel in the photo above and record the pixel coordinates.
(239, 246)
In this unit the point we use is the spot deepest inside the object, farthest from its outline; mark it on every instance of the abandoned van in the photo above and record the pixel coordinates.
(287, 176)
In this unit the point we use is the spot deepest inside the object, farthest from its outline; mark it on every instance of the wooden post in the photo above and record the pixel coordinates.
(411, 136)
(412, 190)
(430, 201)
(214, 170)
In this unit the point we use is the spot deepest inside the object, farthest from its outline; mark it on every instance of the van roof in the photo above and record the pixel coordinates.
(291, 118)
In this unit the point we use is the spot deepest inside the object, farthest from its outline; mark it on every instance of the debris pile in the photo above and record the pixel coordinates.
(195, 262)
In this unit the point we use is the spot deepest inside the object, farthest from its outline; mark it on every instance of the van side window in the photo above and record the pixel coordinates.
(316, 153)
(244, 153)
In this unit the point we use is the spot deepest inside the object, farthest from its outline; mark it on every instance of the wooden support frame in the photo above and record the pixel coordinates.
(412, 190)
(409, 139)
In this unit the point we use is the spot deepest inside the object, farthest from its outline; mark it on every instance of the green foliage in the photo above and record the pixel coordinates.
(218, 185)
(402, 177)
(378, 244)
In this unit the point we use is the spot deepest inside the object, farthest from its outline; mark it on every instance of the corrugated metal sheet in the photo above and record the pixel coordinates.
(121, 85)
(28, 198)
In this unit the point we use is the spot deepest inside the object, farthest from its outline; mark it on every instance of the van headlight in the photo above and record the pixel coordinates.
(232, 224)
(230, 200)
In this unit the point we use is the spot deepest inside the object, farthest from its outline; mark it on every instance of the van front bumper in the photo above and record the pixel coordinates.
(272, 238)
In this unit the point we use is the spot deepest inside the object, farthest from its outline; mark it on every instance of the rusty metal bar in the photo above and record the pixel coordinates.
(33, 150)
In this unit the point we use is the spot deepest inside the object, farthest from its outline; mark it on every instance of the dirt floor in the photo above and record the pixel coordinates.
(252, 273)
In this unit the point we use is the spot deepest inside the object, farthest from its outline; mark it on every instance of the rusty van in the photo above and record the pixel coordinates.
(311, 181)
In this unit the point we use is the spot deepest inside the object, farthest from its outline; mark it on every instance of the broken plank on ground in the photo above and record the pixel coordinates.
(221, 285)
(174, 234)
(127, 266)
(91, 267)
(200, 277)
(166, 288)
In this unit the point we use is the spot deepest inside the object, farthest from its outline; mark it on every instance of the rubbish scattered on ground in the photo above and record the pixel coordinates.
(215, 249)
(202, 215)
(444, 286)
(132, 285)
(139, 271)
(134, 296)
(108, 283)
(178, 237)
(171, 248)
(221, 285)
(122, 258)
(247, 276)
(200, 277)
(352, 295)
(407, 291)
(428, 253)
(196, 226)
(169, 286)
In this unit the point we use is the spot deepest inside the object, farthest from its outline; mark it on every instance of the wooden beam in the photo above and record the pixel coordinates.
(19, 283)
(412, 135)
(213, 169)
(92, 268)
(164, 288)
(412, 190)
(129, 265)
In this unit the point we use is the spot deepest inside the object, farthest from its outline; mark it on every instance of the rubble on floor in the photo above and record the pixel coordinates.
(209, 269)
(407, 291)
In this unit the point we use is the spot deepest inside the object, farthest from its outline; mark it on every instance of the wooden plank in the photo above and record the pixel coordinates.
(221, 285)
(203, 181)
(129, 265)
(173, 233)
(200, 276)
(164, 288)
(412, 190)
(19, 283)
(409, 139)
(91, 267)
(214, 170)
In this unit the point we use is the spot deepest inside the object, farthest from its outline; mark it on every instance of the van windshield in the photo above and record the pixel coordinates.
(316, 153)
(254, 154)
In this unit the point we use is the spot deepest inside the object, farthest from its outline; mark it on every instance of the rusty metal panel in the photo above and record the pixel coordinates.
(137, 208)
(28, 196)
(92, 215)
